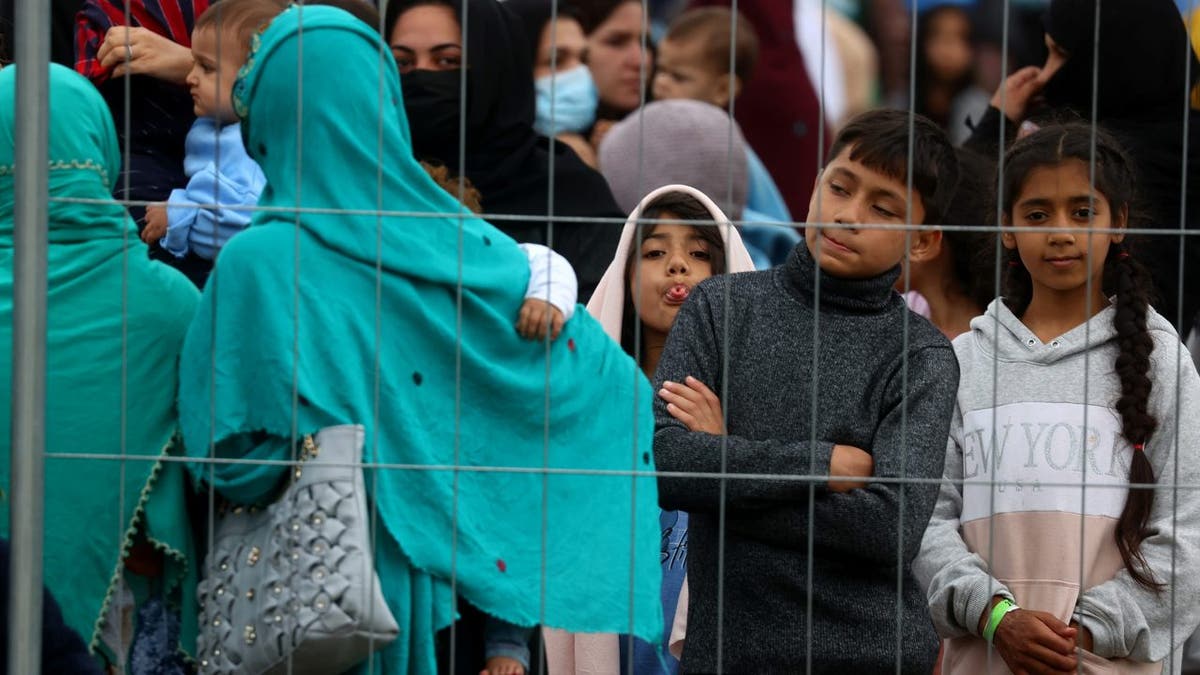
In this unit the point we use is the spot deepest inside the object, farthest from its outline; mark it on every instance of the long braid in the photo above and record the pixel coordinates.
(1131, 283)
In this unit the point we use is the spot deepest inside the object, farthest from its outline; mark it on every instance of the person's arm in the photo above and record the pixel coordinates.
(957, 582)
(181, 215)
(909, 442)
(1127, 620)
(551, 279)
(246, 483)
(693, 349)
(210, 210)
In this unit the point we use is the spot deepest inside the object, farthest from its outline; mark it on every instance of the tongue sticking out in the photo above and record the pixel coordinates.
(678, 293)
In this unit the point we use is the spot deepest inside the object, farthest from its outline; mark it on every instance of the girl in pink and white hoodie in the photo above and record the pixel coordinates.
(1041, 555)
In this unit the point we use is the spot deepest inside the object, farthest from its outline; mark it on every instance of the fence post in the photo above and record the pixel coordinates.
(29, 337)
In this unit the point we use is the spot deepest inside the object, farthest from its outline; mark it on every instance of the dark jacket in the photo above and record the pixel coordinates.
(758, 340)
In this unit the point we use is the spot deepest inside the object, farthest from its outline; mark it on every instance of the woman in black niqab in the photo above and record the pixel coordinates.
(1146, 70)
(505, 159)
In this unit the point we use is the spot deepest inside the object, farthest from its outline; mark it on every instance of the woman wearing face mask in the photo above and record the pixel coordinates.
(1141, 97)
(504, 158)
(566, 93)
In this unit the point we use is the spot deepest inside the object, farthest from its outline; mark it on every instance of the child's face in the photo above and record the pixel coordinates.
(948, 47)
(850, 197)
(1061, 196)
(672, 260)
(684, 72)
(217, 58)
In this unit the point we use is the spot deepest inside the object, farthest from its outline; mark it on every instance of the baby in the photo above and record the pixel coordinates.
(219, 171)
(553, 287)
(693, 57)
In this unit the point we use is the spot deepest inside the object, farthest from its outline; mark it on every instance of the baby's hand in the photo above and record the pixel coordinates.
(156, 223)
(694, 404)
(538, 315)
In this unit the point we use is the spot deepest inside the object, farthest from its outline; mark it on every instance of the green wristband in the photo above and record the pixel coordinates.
(998, 612)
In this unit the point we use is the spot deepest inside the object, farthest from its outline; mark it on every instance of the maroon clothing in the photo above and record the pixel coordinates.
(778, 109)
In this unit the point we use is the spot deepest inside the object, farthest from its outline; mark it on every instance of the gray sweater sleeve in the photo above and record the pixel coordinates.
(693, 349)
(908, 445)
(1127, 620)
(957, 581)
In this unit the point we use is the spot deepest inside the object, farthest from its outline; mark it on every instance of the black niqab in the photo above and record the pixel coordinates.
(505, 159)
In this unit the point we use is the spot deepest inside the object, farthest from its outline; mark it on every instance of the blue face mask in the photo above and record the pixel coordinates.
(575, 100)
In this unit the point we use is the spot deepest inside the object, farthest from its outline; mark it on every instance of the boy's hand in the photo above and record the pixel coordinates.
(848, 461)
(156, 223)
(1035, 642)
(695, 405)
(139, 51)
(538, 315)
(1016, 93)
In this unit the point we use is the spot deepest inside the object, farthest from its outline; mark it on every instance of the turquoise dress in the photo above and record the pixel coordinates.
(508, 472)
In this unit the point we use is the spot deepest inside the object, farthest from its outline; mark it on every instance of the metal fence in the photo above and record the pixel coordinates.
(30, 321)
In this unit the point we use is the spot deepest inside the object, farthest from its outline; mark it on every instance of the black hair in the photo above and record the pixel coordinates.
(974, 273)
(880, 140)
(1125, 279)
(924, 70)
(672, 205)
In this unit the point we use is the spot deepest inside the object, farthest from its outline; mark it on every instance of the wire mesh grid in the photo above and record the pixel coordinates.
(29, 358)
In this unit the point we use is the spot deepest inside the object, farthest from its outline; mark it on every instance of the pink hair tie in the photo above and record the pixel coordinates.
(1123, 255)
(1140, 447)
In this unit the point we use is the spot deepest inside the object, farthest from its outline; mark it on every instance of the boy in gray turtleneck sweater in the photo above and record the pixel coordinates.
(823, 372)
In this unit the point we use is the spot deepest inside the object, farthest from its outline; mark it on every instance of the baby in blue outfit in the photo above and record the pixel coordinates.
(223, 182)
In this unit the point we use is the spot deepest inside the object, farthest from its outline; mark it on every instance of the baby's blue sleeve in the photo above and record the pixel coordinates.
(181, 215)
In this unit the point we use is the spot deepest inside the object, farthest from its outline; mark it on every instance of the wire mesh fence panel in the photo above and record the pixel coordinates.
(602, 336)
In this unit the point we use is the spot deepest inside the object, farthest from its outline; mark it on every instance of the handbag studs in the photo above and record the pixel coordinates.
(250, 635)
(253, 556)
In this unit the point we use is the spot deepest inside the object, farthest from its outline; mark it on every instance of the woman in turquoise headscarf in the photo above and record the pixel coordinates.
(117, 539)
(405, 324)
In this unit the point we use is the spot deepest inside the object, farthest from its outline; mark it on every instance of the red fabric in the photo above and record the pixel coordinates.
(171, 19)
(778, 110)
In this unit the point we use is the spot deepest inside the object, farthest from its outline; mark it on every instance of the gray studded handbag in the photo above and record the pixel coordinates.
(293, 584)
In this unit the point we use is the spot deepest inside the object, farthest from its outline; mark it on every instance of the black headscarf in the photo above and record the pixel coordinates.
(534, 15)
(1143, 58)
(505, 159)
(1144, 87)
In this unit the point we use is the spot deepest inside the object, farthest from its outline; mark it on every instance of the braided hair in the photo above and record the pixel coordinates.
(1125, 279)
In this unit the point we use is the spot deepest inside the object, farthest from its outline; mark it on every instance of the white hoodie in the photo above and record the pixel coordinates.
(1030, 416)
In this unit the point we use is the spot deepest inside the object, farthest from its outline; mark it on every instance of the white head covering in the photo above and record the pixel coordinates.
(608, 301)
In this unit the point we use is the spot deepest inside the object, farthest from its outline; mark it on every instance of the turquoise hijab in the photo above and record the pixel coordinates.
(317, 319)
(116, 323)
